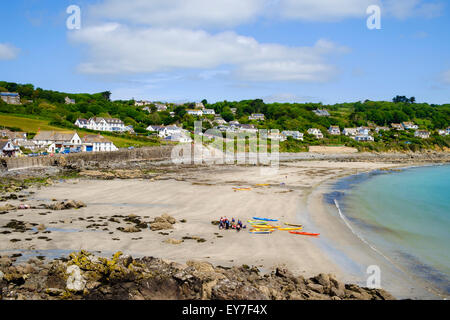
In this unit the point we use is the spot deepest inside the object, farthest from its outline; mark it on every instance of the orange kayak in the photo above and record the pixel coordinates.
(305, 233)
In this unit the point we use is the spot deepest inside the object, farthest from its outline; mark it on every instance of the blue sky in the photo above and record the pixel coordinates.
(278, 50)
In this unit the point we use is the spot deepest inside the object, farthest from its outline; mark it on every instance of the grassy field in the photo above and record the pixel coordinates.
(33, 125)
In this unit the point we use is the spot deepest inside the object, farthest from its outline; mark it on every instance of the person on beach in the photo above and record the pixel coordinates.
(238, 228)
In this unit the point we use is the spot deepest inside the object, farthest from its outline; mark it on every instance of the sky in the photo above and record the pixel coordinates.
(189, 50)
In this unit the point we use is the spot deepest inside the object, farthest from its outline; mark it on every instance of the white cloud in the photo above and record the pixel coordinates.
(403, 9)
(324, 10)
(288, 97)
(116, 49)
(181, 13)
(8, 52)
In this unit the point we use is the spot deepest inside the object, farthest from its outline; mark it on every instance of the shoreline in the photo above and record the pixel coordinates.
(403, 285)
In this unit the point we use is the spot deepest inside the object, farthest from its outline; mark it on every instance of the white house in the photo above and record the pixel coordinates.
(410, 126)
(246, 128)
(209, 112)
(397, 126)
(363, 138)
(10, 97)
(141, 103)
(194, 112)
(82, 123)
(179, 137)
(101, 124)
(199, 105)
(97, 143)
(322, 113)
(363, 131)
(378, 129)
(7, 149)
(297, 135)
(276, 136)
(350, 131)
(219, 120)
(160, 107)
(334, 130)
(422, 134)
(315, 132)
(56, 141)
(257, 116)
(67, 100)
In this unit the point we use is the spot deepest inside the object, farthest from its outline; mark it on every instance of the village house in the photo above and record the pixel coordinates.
(315, 132)
(7, 149)
(101, 124)
(82, 123)
(276, 136)
(194, 112)
(233, 110)
(363, 131)
(219, 120)
(56, 141)
(363, 138)
(297, 135)
(208, 112)
(10, 97)
(67, 100)
(397, 126)
(164, 131)
(334, 130)
(160, 107)
(199, 105)
(97, 143)
(129, 129)
(233, 122)
(423, 134)
(350, 131)
(410, 126)
(179, 137)
(246, 128)
(322, 112)
(378, 129)
(14, 136)
(27, 144)
(141, 103)
(257, 116)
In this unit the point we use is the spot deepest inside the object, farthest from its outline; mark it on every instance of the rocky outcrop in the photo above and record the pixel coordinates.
(86, 276)
(65, 205)
(163, 222)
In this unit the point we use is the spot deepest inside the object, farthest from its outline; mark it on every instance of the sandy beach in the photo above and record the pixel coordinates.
(199, 196)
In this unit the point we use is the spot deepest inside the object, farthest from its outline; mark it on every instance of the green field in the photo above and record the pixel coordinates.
(33, 125)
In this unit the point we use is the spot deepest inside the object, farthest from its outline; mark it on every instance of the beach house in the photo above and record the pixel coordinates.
(194, 112)
(67, 100)
(315, 132)
(423, 134)
(334, 130)
(363, 138)
(207, 112)
(10, 97)
(296, 135)
(322, 112)
(7, 149)
(256, 116)
(97, 143)
(410, 126)
(363, 131)
(397, 126)
(56, 141)
(350, 131)
(82, 123)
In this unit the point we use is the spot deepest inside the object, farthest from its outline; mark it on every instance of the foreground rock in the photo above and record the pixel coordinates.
(85, 276)
(65, 205)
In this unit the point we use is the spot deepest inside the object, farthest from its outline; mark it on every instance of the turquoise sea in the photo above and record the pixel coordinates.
(406, 216)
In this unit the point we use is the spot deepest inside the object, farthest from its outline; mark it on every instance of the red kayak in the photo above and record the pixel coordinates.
(305, 233)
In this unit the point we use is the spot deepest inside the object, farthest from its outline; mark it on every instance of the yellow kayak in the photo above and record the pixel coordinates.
(264, 226)
(256, 222)
(262, 185)
(289, 229)
(263, 229)
(242, 189)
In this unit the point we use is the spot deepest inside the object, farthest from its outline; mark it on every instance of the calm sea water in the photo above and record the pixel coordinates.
(406, 216)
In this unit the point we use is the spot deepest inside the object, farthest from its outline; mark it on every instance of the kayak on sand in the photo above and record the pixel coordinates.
(264, 219)
(305, 233)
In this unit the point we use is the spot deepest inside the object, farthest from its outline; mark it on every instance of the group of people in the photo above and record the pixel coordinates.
(225, 223)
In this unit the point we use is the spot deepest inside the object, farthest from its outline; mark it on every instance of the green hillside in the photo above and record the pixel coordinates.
(46, 109)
